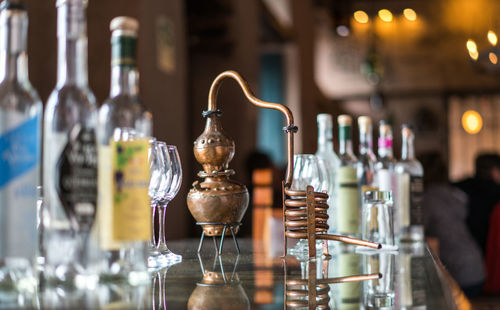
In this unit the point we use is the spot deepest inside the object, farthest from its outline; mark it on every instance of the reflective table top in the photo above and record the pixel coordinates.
(410, 278)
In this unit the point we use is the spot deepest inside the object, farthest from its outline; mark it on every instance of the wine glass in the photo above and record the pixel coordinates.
(169, 192)
(307, 170)
(160, 178)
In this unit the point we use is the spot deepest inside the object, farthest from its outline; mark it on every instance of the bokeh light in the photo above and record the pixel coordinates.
(410, 14)
(385, 15)
(472, 122)
(361, 17)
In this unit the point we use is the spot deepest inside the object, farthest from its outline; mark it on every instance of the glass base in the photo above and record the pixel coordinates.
(163, 259)
(301, 249)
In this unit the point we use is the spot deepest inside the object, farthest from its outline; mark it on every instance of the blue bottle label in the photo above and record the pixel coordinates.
(19, 151)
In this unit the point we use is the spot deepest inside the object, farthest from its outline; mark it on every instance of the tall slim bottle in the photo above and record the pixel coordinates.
(348, 213)
(409, 183)
(20, 134)
(70, 152)
(386, 162)
(366, 159)
(124, 215)
(331, 161)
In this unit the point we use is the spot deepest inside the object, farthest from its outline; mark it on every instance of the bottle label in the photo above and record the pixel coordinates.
(348, 201)
(384, 180)
(402, 201)
(19, 151)
(131, 204)
(77, 178)
(124, 204)
(416, 197)
(19, 177)
(384, 143)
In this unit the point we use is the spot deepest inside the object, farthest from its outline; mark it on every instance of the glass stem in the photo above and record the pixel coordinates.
(153, 238)
(162, 244)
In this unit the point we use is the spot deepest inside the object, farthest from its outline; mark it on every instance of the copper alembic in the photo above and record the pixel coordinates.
(219, 203)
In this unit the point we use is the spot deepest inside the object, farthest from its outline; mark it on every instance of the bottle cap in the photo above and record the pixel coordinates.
(406, 130)
(364, 121)
(384, 128)
(126, 24)
(324, 118)
(344, 120)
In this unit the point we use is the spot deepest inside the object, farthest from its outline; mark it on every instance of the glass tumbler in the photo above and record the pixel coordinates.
(377, 219)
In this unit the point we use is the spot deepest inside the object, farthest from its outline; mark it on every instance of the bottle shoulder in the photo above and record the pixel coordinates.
(73, 95)
(20, 98)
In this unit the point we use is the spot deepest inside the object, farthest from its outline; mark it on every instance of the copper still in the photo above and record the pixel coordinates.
(218, 201)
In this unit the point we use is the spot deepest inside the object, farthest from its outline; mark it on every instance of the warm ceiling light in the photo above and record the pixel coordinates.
(492, 37)
(361, 17)
(410, 14)
(385, 15)
(472, 122)
(493, 58)
(471, 45)
(474, 55)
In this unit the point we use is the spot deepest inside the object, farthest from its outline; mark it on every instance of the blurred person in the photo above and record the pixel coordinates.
(483, 191)
(445, 212)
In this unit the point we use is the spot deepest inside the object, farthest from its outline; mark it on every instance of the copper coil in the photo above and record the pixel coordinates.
(298, 295)
(301, 203)
(302, 213)
(294, 193)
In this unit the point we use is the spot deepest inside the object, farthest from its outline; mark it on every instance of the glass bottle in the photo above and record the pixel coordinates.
(124, 216)
(347, 182)
(386, 162)
(366, 159)
(70, 154)
(409, 190)
(326, 153)
(20, 134)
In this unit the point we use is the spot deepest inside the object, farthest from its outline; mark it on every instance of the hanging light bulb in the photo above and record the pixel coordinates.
(471, 46)
(472, 122)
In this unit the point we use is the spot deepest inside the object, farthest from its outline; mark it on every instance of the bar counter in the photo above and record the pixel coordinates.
(412, 277)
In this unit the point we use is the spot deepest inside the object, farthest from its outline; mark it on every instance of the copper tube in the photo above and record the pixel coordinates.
(212, 99)
(350, 240)
(355, 278)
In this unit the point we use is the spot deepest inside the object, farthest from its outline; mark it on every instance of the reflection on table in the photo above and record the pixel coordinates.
(409, 278)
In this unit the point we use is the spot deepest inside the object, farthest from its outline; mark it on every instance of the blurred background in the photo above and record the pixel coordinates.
(433, 64)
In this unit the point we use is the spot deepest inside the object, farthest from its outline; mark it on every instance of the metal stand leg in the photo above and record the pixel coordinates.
(234, 239)
(201, 241)
(222, 238)
(216, 246)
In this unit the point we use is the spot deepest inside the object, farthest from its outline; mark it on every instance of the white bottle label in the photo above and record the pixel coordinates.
(19, 164)
(384, 180)
(348, 201)
(403, 200)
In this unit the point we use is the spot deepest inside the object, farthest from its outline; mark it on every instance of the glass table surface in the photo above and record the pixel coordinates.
(410, 278)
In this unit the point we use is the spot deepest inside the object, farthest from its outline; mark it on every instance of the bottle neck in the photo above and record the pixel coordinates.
(365, 141)
(385, 147)
(124, 80)
(407, 152)
(345, 142)
(72, 45)
(325, 138)
(13, 56)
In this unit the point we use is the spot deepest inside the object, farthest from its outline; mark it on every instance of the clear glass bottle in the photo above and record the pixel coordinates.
(366, 158)
(409, 192)
(385, 165)
(20, 134)
(70, 153)
(331, 161)
(124, 216)
(348, 211)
